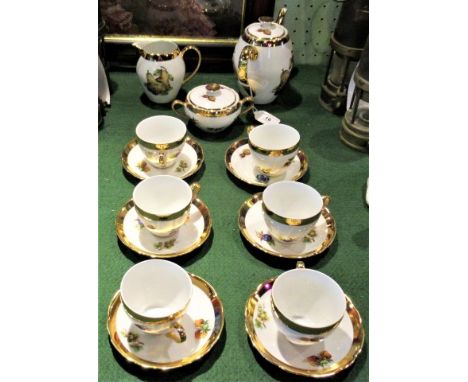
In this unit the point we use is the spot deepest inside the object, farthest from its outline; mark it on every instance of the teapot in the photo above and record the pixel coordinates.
(263, 58)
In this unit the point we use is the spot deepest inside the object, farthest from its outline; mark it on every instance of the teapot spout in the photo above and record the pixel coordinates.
(281, 14)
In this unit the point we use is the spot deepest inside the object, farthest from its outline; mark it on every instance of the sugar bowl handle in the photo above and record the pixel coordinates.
(251, 105)
(176, 103)
(190, 76)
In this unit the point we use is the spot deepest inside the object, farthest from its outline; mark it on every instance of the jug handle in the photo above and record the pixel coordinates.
(190, 76)
(281, 14)
(247, 53)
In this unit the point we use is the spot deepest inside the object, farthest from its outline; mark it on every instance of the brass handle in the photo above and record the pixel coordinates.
(250, 128)
(175, 103)
(300, 264)
(247, 53)
(196, 187)
(190, 76)
(326, 200)
(248, 108)
(180, 331)
(281, 14)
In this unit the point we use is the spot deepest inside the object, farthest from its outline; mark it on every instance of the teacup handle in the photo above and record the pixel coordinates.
(248, 108)
(247, 53)
(196, 187)
(190, 76)
(176, 103)
(326, 200)
(300, 264)
(249, 129)
(162, 159)
(180, 331)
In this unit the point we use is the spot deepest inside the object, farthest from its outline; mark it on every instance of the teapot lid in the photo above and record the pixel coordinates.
(266, 32)
(213, 97)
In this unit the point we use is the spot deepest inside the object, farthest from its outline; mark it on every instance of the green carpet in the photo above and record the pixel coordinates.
(229, 263)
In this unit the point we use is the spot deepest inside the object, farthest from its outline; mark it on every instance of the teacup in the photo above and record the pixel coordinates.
(161, 139)
(155, 295)
(273, 147)
(162, 202)
(307, 305)
(291, 209)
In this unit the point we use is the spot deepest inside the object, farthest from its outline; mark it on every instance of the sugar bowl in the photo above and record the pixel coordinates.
(213, 107)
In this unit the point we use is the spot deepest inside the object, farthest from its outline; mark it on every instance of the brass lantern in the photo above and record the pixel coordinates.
(347, 43)
(355, 124)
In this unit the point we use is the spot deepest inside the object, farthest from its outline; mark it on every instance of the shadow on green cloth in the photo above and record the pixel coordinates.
(350, 374)
(185, 373)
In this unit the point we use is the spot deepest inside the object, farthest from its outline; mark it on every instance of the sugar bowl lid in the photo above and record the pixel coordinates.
(213, 97)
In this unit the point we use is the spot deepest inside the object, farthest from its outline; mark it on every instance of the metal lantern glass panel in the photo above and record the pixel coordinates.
(347, 43)
(355, 125)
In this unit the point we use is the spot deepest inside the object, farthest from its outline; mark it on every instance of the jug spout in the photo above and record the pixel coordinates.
(281, 14)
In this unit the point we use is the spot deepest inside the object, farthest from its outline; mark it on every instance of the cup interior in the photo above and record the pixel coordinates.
(293, 200)
(161, 129)
(160, 47)
(274, 136)
(156, 288)
(309, 298)
(162, 195)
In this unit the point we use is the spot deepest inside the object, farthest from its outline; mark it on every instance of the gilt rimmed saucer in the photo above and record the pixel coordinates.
(188, 163)
(253, 227)
(190, 236)
(203, 323)
(239, 162)
(325, 358)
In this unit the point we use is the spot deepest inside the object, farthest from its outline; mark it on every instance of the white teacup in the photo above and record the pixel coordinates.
(161, 138)
(273, 147)
(307, 305)
(291, 209)
(162, 202)
(155, 294)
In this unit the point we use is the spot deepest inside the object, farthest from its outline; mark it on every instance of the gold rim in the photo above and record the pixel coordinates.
(131, 357)
(273, 153)
(248, 204)
(265, 42)
(124, 239)
(228, 156)
(161, 146)
(326, 371)
(290, 221)
(156, 56)
(130, 145)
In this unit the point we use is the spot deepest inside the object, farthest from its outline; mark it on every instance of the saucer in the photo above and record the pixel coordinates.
(190, 236)
(188, 163)
(238, 160)
(336, 352)
(203, 323)
(253, 227)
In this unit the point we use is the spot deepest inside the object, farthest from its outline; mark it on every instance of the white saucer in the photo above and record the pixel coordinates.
(203, 324)
(188, 163)
(336, 352)
(238, 160)
(191, 235)
(253, 227)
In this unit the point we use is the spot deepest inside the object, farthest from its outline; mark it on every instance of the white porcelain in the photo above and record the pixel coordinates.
(263, 59)
(307, 305)
(161, 69)
(162, 203)
(161, 138)
(291, 210)
(273, 146)
(213, 107)
(155, 294)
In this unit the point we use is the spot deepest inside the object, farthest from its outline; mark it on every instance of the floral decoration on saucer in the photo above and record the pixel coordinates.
(203, 323)
(190, 236)
(328, 357)
(253, 227)
(239, 162)
(188, 163)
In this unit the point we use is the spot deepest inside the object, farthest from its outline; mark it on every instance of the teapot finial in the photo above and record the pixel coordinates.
(281, 14)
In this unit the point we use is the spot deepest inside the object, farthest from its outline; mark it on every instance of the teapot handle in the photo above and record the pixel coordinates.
(247, 53)
(281, 14)
(190, 76)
